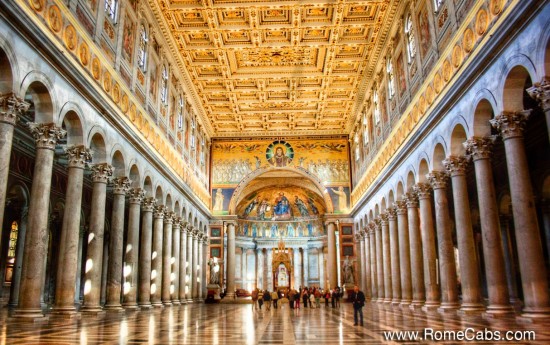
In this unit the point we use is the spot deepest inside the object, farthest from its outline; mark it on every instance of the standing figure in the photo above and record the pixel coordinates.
(301, 206)
(311, 203)
(262, 209)
(358, 299)
(342, 198)
(251, 206)
(218, 203)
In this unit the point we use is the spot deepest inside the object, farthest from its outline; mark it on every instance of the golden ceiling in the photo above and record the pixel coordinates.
(274, 68)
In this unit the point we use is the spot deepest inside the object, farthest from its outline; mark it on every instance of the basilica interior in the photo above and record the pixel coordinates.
(162, 159)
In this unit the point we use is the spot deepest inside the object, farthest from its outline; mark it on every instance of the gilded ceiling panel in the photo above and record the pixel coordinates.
(277, 67)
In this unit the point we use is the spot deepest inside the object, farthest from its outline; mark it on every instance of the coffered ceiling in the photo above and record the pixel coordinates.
(271, 68)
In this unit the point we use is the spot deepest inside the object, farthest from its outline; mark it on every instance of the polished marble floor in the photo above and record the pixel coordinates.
(240, 324)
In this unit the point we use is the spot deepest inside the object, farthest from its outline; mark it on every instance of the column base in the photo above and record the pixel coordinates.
(176, 302)
(157, 305)
(471, 308)
(405, 303)
(535, 314)
(430, 306)
(230, 295)
(68, 312)
(416, 306)
(499, 311)
(65, 316)
(132, 306)
(145, 305)
(448, 307)
(113, 308)
(167, 303)
(95, 312)
(183, 301)
(189, 301)
(28, 315)
(395, 302)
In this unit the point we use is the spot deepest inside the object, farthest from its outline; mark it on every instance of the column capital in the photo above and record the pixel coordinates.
(158, 212)
(101, 172)
(456, 165)
(541, 93)
(168, 217)
(480, 147)
(511, 124)
(438, 179)
(377, 223)
(183, 225)
(400, 206)
(78, 156)
(177, 222)
(148, 204)
(372, 227)
(189, 228)
(411, 199)
(11, 107)
(422, 190)
(358, 238)
(366, 230)
(136, 195)
(121, 185)
(196, 233)
(46, 135)
(205, 239)
(392, 213)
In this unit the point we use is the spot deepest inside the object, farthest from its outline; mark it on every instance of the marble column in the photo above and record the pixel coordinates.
(167, 258)
(174, 276)
(243, 268)
(94, 261)
(269, 269)
(386, 257)
(204, 252)
(11, 107)
(231, 260)
(259, 268)
(431, 285)
(447, 264)
(131, 253)
(36, 239)
(367, 263)
(373, 263)
(509, 258)
(480, 149)
(305, 262)
(196, 264)
(78, 156)
(545, 209)
(321, 268)
(541, 93)
(332, 263)
(403, 249)
(190, 263)
(415, 240)
(467, 256)
(297, 269)
(157, 256)
(380, 260)
(395, 271)
(198, 280)
(121, 185)
(183, 263)
(530, 255)
(362, 261)
(145, 249)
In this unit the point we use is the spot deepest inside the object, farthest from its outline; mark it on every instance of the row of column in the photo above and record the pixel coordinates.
(401, 264)
(167, 269)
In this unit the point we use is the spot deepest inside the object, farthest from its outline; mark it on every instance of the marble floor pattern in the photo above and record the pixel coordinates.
(240, 324)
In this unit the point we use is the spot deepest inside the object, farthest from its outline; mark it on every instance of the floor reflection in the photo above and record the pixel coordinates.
(240, 324)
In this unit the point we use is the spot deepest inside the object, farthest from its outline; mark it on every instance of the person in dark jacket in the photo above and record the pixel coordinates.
(358, 299)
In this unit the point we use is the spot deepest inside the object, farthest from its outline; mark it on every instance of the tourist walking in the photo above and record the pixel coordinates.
(357, 297)
(274, 298)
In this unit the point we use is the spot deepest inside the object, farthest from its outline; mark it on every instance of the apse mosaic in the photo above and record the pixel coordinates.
(286, 229)
(324, 159)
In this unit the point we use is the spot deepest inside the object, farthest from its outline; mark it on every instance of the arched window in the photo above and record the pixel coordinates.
(142, 48)
(437, 4)
(202, 150)
(164, 86)
(111, 9)
(180, 112)
(193, 132)
(12, 244)
(357, 148)
(411, 39)
(365, 130)
(391, 80)
(376, 102)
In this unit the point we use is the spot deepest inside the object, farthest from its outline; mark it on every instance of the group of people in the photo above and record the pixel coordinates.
(311, 297)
